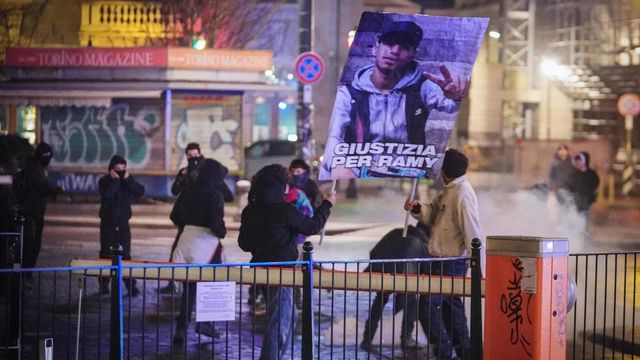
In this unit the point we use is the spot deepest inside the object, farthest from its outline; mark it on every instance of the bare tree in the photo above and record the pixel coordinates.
(222, 23)
(18, 23)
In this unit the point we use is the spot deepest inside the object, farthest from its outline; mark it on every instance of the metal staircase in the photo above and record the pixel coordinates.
(597, 44)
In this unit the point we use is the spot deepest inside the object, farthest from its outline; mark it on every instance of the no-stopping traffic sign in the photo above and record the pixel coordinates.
(309, 67)
(629, 104)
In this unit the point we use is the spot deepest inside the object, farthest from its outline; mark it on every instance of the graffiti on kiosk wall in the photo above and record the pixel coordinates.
(90, 136)
(215, 134)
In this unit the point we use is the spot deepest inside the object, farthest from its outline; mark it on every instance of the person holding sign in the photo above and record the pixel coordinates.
(455, 221)
(387, 105)
(268, 229)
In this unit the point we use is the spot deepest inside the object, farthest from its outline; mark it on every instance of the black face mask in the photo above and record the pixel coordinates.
(121, 173)
(194, 162)
(299, 181)
(44, 160)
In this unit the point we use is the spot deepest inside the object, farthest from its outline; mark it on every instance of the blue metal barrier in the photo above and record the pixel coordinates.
(143, 327)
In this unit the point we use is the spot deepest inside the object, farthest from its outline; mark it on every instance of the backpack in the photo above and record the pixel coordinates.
(415, 110)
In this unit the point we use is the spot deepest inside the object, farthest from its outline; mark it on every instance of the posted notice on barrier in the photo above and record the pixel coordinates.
(215, 301)
(529, 281)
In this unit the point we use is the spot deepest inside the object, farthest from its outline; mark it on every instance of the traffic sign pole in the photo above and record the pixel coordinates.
(628, 174)
(628, 106)
(309, 68)
(304, 118)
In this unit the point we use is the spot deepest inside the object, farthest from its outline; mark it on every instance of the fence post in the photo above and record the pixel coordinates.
(307, 301)
(476, 300)
(15, 297)
(116, 345)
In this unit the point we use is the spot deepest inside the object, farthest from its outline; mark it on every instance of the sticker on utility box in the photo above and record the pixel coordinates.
(529, 275)
(215, 301)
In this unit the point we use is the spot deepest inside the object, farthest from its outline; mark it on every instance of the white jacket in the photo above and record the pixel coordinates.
(454, 220)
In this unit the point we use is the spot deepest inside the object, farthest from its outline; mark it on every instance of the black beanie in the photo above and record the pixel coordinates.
(116, 159)
(299, 164)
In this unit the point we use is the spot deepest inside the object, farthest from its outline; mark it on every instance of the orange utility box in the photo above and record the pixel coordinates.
(526, 298)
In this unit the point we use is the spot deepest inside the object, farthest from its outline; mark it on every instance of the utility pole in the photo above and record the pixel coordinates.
(304, 118)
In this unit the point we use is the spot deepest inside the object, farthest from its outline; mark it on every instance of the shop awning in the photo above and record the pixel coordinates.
(64, 97)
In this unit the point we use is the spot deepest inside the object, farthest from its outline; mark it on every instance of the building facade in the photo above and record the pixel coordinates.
(116, 91)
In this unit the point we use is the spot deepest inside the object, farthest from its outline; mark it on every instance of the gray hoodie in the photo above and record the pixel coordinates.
(386, 110)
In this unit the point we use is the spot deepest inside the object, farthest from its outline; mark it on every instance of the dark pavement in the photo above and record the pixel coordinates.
(354, 227)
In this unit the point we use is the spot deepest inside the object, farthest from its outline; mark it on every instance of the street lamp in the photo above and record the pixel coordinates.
(550, 69)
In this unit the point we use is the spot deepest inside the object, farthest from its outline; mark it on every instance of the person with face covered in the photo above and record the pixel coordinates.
(199, 211)
(187, 175)
(31, 189)
(185, 179)
(118, 189)
(300, 177)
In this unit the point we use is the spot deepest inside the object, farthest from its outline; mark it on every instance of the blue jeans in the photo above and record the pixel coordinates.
(281, 318)
(442, 316)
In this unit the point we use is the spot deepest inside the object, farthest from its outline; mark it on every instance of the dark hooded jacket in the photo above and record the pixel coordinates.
(202, 204)
(394, 246)
(31, 186)
(269, 225)
(582, 185)
(116, 195)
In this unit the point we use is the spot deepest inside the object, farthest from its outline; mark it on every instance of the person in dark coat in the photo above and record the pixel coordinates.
(118, 189)
(188, 175)
(31, 189)
(582, 183)
(186, 178)
(268, 229)
(394, 246)
(199, 212)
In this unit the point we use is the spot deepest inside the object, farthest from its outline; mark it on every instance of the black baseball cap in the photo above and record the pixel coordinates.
(402, 32)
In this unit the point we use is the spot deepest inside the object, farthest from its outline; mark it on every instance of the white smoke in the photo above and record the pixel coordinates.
(524, 213)
(502, 212)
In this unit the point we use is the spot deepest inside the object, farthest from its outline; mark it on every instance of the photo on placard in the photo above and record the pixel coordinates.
(399, 95)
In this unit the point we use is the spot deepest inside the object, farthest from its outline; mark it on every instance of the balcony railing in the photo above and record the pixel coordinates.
(121, 23)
